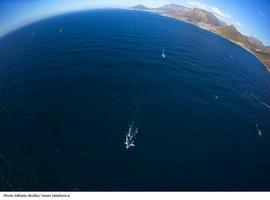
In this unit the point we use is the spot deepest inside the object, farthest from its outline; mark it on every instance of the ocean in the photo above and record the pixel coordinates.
(72, 84)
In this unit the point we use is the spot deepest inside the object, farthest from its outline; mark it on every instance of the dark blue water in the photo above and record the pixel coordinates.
(67, 98)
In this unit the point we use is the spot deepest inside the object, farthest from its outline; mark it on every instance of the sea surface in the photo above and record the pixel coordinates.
(71, 85)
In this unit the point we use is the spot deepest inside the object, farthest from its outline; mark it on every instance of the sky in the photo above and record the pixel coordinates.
(250, 17)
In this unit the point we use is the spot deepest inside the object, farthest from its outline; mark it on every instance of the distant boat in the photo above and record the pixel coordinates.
(259, 131)
(163, 55)
(130, 136)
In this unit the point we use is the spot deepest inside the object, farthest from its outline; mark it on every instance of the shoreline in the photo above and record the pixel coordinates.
(228, 39)
(248, 50)
(267, 66)
(234, 42)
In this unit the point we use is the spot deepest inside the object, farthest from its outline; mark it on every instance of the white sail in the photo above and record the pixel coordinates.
(163, 55)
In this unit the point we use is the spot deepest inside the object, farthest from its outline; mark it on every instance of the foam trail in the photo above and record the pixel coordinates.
(258, 100)
(261, 102)
(259, 131)
(131, 135)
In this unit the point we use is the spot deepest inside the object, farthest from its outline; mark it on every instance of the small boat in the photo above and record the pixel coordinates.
(163, 55)
(259, 131)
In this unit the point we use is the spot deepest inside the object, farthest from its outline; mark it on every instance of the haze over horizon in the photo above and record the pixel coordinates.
(249, 17)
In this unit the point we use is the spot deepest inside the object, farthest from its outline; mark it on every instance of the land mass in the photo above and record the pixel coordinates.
(210, 22)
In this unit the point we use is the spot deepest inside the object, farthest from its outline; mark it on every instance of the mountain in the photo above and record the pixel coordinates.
(192, 15)
(199, 15)
(268, 49)
(232, 33)
(259, 45)
(210, 22)
(173, 8)
(255, 42)
(140, 7)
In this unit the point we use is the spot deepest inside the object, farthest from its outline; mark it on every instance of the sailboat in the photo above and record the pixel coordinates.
(163, 55)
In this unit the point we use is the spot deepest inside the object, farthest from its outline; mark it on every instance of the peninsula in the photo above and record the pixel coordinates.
(210, 22)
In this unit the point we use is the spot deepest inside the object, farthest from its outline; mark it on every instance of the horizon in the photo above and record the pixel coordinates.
(18, 14)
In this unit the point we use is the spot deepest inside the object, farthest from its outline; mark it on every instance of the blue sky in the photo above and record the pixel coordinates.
(251, 17)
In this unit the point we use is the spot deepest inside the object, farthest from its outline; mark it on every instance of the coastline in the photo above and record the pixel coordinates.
(234, 42)
(200, 27)
(248, 50)
(257, 55)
